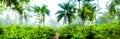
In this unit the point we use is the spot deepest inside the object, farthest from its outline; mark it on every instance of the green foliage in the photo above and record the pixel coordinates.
(99, 31)
(14, 2)
(2, 8)
(112, 7)
(15, 5)
(87, 12)
(67, 12)
(112, 10)
(26, 32)
(42, 12)
(87, 0)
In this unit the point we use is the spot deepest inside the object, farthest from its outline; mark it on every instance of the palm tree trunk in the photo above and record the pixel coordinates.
(83, 19)
(91, 23)
(82, 22)
(119, 17)
(79, 7)
(83, 25)
(68, 22)
(78, 21)
(39, 21)
(43, 19)
(64, 22)
(20, 19)
(68, 25)
(79, 4)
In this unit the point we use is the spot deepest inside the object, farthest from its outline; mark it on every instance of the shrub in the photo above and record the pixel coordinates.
(26, 32)
(99, 31)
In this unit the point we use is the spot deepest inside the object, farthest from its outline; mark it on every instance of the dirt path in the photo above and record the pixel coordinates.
(56, 36)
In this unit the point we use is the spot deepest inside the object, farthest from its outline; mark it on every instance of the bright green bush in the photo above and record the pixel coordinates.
(26, 32)
(99, 31)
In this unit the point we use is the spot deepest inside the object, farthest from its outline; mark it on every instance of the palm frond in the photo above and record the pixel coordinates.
(60, 12)
(48, 12)
(37, 9)
(59, 17)
(67, 12)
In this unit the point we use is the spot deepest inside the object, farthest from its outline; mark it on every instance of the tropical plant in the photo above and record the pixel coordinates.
(16, 5)
(86, 12)
(2, 8)
(67, 13)
(112, 9)
(100, 31)
(118, 14)
(42, 11)
(15, 31)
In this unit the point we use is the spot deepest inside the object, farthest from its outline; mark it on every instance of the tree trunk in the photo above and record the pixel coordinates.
(20, 19)
(78, 21)
(68, 23)
(79, 7)
(39, 21)
(68, 26)
(83, 25)
(65, 21)
(119, 17)
(91, 23)
(43, 19)
(79, 4)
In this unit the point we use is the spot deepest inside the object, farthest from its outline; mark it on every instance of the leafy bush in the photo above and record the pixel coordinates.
(26, 32)
(99, 31)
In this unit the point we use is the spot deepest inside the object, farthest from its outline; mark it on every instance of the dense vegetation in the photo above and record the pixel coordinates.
(24, 21)
(26, 32)
(100, 31)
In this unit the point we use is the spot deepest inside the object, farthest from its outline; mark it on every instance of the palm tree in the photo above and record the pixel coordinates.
(87, 11)
(37, 10)
(112, 8)
(41, 11)
(44, 11)
(16, 5)
(2, 8)
(67, 13)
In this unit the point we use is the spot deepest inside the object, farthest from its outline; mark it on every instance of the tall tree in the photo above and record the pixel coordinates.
(87, 11)
(16, 5)
(67, 13)
(118, 15)
(44, 11)
(2, 8)
(112, 8)
(37, 10)
(41, 11)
